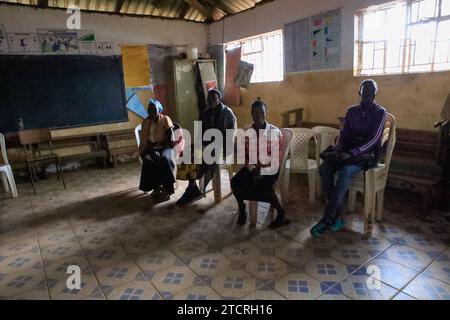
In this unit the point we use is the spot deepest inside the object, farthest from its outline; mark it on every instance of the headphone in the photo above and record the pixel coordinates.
(375, 85)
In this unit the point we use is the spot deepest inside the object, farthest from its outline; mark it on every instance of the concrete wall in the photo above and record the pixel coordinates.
(415, 99)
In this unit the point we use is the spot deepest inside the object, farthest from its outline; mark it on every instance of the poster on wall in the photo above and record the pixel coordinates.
(23, 42)
(326, 40)
(105, 48)
(4, 47)
(244, 74)
(86, 42)
(58, 41)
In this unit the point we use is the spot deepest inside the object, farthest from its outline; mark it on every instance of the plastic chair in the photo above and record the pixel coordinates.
(373, 182)
(6, 173)
(328, 136)
(299, 161)
(31, 141)
(137, 133)
(282, 184)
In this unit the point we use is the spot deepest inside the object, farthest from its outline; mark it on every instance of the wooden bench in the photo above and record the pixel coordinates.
(120, 142)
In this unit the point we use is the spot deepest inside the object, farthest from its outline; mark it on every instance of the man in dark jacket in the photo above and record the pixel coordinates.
(358, 149)
(216, 116)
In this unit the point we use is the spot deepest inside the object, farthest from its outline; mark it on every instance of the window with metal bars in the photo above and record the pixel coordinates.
(403, 37)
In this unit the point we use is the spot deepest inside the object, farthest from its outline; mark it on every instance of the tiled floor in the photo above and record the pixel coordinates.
(128, 247)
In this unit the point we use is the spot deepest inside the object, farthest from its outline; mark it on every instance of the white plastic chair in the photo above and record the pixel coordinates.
(6, 173)
(282, 184)
(328, 136)
(299, 161)
(373, 181)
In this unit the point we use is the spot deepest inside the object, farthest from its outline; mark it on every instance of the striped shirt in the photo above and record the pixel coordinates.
(362, 129)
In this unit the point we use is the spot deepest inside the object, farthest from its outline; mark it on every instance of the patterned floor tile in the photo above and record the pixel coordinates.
(198, 292)
(234, 284)
(389, 272)
(352, 255)
(90, 229)
(299, 286)
(427, 288)
(324, 242)
(440, 268)
(267, 268)
(264, 293)
(55, 237)
(424, 243)
(25, 261)
(295, 253)
(403, 296)
(157, 260)
(172, 280)
(57, 269)
(363, 288)
(134, 290)
(98, 240)
(269, 239)
(241, 251)
(89, 287)
(408, 256)
(326, 270)
(121, 272)
(188, 249)
(105, 256)
(18, 247)
(22, 281)
(41, 294)
(61, 250)
(209, 265)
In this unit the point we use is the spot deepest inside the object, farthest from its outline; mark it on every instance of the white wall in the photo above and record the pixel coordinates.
(273, 15)
(119, 30)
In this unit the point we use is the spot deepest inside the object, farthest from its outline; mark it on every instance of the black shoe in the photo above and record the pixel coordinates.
(242, 218)
(190, 195)
(278, 223)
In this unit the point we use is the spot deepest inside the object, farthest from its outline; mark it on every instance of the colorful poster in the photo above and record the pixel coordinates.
(86, 42)
(23, 42)
(105, 48)
(326, 40)
(4, 47)
(134, 104)
(58, 41)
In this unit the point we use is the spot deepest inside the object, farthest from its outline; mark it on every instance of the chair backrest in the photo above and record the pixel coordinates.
(328, 136)
(388, 139)
(3, 150)
(137, 133)
(31, 137)
(299, 147)
(285, 146)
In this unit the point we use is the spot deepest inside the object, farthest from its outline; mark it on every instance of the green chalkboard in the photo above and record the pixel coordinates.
(60, 91)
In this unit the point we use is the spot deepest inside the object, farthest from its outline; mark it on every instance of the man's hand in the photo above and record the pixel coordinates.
(341, 157)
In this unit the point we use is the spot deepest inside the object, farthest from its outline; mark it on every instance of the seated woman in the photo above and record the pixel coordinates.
(156, 151)
(255, 182)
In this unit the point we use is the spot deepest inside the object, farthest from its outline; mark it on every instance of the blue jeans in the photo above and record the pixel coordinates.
(335, 191)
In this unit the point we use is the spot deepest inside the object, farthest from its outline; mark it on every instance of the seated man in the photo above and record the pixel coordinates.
(255, 181)
(215, 116)
(358, 149)
(156, 151)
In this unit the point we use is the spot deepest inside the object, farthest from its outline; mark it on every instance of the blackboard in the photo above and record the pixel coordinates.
(60, 91)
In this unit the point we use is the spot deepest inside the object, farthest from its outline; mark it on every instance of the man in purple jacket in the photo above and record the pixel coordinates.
(358, 149)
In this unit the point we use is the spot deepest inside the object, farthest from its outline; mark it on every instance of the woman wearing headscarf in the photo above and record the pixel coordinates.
(156, 151)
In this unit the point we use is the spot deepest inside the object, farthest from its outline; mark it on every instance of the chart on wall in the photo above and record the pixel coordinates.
(313, 43)
(326, 40)
(86, 42)
(58, 41)
(23, 42)
(105, 48)
(3, 40)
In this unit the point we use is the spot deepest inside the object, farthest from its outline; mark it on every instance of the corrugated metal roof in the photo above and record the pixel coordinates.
(210, 10)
